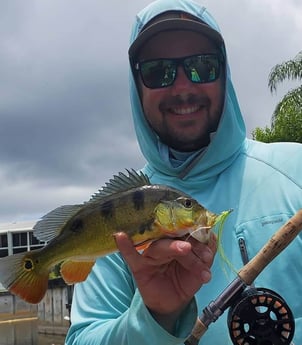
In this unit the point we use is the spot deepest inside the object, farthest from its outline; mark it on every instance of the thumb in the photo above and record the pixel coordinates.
(127, 249)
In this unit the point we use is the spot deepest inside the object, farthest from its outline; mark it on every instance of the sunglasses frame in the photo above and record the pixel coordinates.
(176, 62)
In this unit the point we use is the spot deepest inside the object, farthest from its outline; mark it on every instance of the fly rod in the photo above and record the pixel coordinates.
(245, 277)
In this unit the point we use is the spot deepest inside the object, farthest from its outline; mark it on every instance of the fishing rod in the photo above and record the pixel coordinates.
(240, 293)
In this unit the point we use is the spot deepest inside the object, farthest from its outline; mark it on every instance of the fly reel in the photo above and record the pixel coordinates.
(261, 317)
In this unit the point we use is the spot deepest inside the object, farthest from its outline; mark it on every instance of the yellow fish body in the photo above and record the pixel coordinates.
(78, 234)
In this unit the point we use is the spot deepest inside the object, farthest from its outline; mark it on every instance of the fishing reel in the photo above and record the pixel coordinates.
(260, 317)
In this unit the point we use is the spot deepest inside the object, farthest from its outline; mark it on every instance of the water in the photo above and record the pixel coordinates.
(26, 333)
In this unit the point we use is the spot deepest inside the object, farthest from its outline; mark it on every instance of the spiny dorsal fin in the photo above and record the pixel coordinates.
(121, 183)
(52, 223)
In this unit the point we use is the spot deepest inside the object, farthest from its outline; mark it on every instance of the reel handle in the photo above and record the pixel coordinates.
(279, 241)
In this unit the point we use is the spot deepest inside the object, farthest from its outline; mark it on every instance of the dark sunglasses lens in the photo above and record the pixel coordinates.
(202, 68)
(158, 73)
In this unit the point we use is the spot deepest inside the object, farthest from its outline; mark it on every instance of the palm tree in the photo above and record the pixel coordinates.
(286, 124)
(292, 101)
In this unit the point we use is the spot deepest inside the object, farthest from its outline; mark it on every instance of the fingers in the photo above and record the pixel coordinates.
(126, 248)
(191, 255)
(187, 254)
(165, 250)
(205, 252)
(213, 242)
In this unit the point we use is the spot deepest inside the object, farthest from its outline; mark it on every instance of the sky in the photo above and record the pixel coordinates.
(65, 117)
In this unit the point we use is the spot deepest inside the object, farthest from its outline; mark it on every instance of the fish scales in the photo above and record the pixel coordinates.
(96, 223)
(78, 234)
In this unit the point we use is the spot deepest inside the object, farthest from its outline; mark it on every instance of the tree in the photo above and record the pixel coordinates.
(286, 122)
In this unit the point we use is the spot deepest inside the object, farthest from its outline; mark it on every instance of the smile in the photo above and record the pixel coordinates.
(185, 110)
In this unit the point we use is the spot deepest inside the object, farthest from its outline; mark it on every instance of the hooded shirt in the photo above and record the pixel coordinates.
(262, 183)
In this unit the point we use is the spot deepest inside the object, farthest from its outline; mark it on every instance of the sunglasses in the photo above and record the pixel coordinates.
(199, 69)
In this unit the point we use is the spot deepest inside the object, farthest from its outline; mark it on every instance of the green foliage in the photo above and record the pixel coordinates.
(290, 70)
(287, 117)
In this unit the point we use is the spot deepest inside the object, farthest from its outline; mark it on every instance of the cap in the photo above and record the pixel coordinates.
(173, 20)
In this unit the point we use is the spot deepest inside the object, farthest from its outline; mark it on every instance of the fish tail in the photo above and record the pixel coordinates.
(22, 275)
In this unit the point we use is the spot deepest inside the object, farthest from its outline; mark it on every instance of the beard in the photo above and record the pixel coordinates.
(190, 135)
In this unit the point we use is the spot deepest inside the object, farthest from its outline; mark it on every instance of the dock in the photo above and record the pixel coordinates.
(52, 313)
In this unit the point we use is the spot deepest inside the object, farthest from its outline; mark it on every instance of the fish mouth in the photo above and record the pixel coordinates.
(206, 228)
(201, 234)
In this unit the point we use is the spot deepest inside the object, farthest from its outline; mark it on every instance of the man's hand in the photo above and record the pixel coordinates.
(168, 273)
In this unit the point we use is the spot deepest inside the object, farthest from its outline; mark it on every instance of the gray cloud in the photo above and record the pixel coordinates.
(65, 119)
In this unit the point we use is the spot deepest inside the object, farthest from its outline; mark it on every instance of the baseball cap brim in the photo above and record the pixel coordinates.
(170, 22)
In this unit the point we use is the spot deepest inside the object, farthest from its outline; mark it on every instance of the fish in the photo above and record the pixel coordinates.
(76, 235)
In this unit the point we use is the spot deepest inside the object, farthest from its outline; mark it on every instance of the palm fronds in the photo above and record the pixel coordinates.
(290, 70)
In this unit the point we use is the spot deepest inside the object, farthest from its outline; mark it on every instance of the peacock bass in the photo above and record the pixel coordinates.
(77, 235)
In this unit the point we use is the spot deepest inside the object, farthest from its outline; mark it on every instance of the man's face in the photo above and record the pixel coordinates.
(184, 114)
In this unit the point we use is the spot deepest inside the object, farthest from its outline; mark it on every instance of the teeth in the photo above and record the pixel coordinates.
(184, 111)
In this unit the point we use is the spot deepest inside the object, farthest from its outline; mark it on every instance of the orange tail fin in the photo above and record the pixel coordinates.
(21, 277)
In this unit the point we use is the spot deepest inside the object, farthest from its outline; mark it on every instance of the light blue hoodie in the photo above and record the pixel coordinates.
(261, 182)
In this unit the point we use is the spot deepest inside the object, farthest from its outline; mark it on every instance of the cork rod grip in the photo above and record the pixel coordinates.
(198, 331)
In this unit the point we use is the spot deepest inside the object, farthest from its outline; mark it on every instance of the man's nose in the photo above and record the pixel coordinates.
(181, 82)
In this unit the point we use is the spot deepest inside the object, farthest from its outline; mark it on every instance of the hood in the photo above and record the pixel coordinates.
(228, 140)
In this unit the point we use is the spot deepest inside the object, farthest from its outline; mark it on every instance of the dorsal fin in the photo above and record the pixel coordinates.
(52, 223)
(121, 183)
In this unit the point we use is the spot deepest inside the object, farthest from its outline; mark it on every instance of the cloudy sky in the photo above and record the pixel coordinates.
(65, 123)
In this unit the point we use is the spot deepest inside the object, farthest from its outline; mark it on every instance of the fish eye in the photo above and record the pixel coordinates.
(187, 202)
(28, 265)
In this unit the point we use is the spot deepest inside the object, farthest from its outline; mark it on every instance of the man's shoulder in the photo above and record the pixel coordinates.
(283, 156)
(273, 151)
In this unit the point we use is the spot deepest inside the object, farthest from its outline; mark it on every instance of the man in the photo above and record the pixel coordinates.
(191, 132)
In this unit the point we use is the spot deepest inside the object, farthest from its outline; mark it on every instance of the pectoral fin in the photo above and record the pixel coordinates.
(75, 271)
